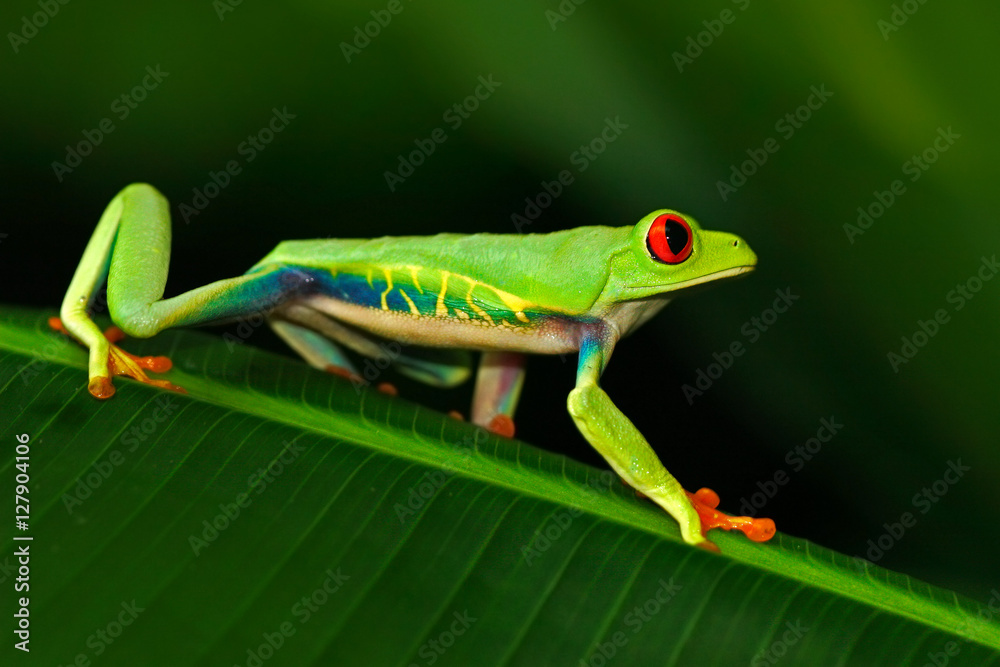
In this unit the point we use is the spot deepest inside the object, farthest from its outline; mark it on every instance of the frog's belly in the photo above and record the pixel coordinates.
(542, 334)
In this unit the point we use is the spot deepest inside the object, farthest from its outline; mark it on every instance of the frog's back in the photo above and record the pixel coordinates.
(559, 272)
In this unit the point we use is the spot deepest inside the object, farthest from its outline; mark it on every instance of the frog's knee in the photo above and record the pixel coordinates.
(582, 400)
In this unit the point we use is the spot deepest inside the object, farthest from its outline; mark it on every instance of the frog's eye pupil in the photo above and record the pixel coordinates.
(669, 239)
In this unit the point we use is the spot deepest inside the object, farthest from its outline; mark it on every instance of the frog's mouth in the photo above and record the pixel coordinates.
(718, 275)
(733, 272)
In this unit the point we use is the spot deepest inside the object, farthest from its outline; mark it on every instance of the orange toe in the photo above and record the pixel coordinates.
(153, 364)
(114, 334)
(56, 324)
(385, 387)
(101, 387)
(502, 425)
(341, 372)
(121, 362)
(706, 501)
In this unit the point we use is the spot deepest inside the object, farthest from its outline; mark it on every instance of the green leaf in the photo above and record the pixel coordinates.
(276, 515)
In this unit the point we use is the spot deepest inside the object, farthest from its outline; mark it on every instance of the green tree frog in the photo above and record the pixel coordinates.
(439, 297)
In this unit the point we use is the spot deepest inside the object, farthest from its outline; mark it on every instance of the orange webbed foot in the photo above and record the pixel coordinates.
(706, 501)
(121, 362)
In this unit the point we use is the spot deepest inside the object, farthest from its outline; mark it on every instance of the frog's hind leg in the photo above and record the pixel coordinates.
(130, 250)
(318, 351)
(498, 388)
(314, 335)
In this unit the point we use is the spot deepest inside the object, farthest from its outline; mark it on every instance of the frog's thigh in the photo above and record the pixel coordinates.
(438, 367)
(434, 366)
(318, 350)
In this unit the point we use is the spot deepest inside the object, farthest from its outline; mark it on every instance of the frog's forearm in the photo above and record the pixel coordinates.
(620, 442)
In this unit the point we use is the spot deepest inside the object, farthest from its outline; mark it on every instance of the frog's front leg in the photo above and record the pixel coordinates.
(131, 249)
(629, 454)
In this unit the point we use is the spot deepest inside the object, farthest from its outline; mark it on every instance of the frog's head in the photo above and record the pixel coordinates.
(668, 251)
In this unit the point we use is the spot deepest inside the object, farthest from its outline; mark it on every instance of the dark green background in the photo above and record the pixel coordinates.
(324, 176)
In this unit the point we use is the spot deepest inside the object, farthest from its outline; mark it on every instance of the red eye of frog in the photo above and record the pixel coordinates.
(670, 239)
